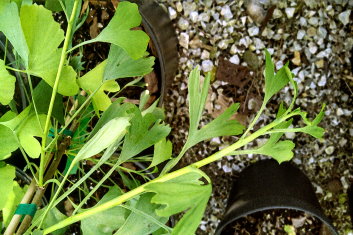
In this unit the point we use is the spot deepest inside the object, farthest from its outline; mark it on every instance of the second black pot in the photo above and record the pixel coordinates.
(268, 185)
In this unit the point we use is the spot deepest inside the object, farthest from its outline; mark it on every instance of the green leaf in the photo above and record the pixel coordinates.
(8, 142)
(119, 31)
(7, 88)
(221, 126)
(14, 198)
(121, 65)
(107, 221)
(106, 136)
(162, 152)
(94, 80)
(314, 131)
(186, 193)
(197, 98)
(10, 25)
(7, 175)
(32, 127)
(274, 83)
(43, 40)
(143, 219)
(53, 217)
(144, 132)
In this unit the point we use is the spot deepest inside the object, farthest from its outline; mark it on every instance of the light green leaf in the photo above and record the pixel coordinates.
(144, 132)
(104, 223)
(7, 175)
(187, 194)
(43, 40)
(121, 65)
(53, 217)
(7, 88)
(143, 219)
(314, 131)
(94, 80)
(31, 128)
(107, 135)
(8, 142)
(221, 126)
(162, 152)
(119, 30)
(274, 83)
(10, 25)
(12, 201)
(197, 98)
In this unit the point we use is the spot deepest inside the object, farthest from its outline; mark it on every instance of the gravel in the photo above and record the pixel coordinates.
(316, 37)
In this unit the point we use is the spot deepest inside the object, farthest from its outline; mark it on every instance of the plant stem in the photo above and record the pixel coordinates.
(55, 89)
(253, 122)
(141, 189)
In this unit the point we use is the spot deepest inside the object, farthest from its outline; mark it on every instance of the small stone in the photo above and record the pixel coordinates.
(252, 104)
(289, 135)
(184, 40)
(351, 132)
(302, 21)
(234, 59)
(344, 17)
(207, 65)
(183, 24)
(298, 222)
(322, 81)
(329, 150)
(204, 17)
(226, 169)
(234, 49)
(253, 31)
(194, 16)
(311, 32)
(296, 60)
(215, 140)
(243, 20)
(320, 63)
(313, 21)
(290, 12)
(259, 45)
(342, 142)
(172, 13)
(205, 55)
(179, 7)
(322, 32)
(339, 112)
(312, 47)
(277, 13)
(256, 11)
(226, 12)
(223, 44)
(300, 35)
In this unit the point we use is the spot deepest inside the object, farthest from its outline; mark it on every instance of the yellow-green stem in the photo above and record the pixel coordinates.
(55, 89)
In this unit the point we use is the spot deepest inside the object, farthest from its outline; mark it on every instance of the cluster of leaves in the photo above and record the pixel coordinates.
(123, 131)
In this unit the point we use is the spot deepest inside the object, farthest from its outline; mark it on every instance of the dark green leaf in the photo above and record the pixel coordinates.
(119, 30)
(121, 65)
(53, 217)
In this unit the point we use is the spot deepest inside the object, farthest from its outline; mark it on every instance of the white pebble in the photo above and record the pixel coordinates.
(194, 16)
(290, 12)
(226, 12)
(290, 135)
(300, 35)
(253, 31)
(344, 17)
(226, 169)
(184, 40)
(339, 112)
(234, 59)
(322, 81)
(183, 24)
(329, 150)
(172, 13)
(205, 55)
(207, 65)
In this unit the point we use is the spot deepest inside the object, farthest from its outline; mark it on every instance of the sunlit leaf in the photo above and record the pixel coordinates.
(43, 40)
(162, 152)
(10, 25)
(104, 223)
(7, 175)
(94, 80)
(120, 31)
(184, 194)
(105, 137)
(121, 65)
(7, 87)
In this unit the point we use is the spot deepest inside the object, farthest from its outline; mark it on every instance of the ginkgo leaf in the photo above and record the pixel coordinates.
(274, 82)
(144, 132)
(10, 25)
(54, 216)
(93, 80)
(43, 40)
(186, 193)
(120, 31)
(121, 65)
(7, 175)
(162, 152)
(7, 87)
(32, 128)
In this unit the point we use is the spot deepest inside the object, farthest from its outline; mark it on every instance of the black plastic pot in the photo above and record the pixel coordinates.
(157, 24)
(267, 185)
